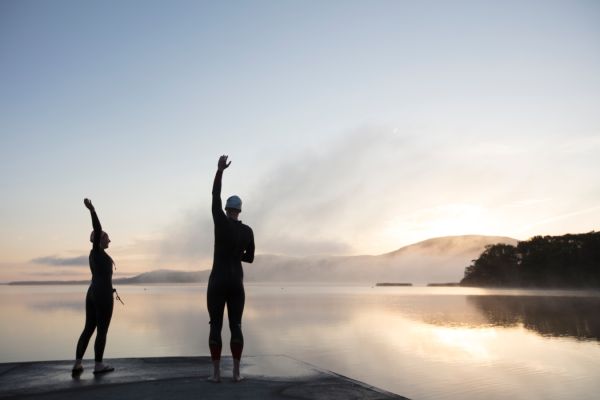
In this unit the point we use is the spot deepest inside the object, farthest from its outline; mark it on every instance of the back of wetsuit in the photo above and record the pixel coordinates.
(234, 241)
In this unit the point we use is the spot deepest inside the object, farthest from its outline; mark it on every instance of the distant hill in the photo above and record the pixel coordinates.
(33, 283)
(435, 260)
(167, 276)
(453, 245)
(157, 276)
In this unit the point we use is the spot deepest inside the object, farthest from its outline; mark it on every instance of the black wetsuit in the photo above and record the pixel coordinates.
(234, 243)
(99, 300)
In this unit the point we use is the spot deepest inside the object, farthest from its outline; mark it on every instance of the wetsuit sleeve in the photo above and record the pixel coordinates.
(248, 255)
(97, 229)
(217, 206)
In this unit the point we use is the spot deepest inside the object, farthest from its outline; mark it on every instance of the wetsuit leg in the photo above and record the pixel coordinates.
(90, 326)
(215, 301)
(235, 309)
(104, 309)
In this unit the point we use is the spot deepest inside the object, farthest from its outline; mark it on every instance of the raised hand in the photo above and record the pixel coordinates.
(223, 163)
(88, 204)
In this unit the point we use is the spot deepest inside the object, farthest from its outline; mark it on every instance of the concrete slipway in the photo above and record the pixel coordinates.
(166, 378)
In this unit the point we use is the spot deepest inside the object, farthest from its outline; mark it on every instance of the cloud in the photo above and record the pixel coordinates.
(62, 261)
(189, 239)
(312, 203)
(559, 217)
(332, 194)
(357, 194)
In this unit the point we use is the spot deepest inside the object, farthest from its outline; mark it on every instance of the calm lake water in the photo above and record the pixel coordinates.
(423, 343)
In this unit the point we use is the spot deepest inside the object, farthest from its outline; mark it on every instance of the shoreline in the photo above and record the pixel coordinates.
(315, 284)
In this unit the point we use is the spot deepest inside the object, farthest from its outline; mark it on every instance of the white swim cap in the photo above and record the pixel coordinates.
(234, 202)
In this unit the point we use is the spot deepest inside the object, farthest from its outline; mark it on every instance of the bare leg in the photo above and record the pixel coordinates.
(216, 372)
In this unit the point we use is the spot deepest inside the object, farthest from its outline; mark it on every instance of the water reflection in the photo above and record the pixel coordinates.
(576, 317)
(420, 343)
(54, 305)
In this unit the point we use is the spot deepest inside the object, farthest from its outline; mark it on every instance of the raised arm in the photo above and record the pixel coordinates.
(95, 222)
(217, 206)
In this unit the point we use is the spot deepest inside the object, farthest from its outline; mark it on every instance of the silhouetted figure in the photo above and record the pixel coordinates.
(234, 243)
(99, 300)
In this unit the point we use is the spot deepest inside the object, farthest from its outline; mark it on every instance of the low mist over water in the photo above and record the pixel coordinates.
(424, 343)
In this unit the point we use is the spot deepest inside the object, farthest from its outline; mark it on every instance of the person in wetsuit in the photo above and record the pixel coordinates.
(99, 299)
(234, 243)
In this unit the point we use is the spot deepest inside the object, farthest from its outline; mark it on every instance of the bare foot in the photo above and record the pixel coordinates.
(215, 377)
(236, 371)
(77, 371)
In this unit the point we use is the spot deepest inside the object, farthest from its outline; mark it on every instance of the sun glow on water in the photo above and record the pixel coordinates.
(474, 343)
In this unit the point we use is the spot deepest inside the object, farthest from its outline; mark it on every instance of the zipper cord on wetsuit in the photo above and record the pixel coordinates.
(115, 290)
(117, 296)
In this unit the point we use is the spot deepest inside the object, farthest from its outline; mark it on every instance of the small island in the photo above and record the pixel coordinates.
(392, 284)
(448, 284)
(568, 261)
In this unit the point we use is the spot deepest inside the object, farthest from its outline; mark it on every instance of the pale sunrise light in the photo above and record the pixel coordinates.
(443, 220)
(455, 219)
(353, 130)
(474, 343)
(309, 199)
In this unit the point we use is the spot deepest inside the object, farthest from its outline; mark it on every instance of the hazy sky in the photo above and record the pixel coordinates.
(354, 127)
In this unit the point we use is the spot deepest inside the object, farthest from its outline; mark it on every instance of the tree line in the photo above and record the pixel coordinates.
(571, 260)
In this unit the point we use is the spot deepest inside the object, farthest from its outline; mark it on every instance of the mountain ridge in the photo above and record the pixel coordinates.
(435, 260)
